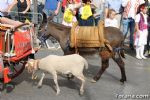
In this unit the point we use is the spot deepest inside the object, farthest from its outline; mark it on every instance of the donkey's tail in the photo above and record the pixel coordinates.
(119, 51)
(122, 53)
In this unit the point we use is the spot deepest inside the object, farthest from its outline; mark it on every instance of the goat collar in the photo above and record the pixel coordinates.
(36, 65)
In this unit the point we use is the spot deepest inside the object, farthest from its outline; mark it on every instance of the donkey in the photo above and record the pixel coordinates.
(115, 37)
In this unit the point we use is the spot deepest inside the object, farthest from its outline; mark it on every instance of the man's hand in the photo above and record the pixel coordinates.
(56, 12)
(24, 12)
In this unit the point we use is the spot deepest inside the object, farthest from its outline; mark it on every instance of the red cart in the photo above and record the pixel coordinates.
(16, 45)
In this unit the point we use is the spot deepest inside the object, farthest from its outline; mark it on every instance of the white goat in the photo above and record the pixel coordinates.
(54, 64)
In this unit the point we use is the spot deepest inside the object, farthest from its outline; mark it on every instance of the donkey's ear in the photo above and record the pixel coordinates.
(50, 18)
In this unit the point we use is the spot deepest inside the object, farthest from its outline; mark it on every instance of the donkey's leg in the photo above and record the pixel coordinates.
(121, 64)
(56, 82)
(105, 65)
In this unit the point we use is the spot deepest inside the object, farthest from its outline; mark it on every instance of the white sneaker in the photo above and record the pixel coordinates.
(144, 57)
(138, 57)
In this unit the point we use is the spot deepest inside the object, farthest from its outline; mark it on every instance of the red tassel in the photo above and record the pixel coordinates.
(1, 68)
(6, 78)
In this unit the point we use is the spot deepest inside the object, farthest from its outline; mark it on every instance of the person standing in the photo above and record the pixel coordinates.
(52, 7)
(128, 21)
(141, 31)
(23, 8)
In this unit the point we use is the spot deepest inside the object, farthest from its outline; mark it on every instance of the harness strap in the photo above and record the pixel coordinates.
(76, 33)
(36, 64)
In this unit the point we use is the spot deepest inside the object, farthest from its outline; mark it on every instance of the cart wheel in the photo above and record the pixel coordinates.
(15, 70)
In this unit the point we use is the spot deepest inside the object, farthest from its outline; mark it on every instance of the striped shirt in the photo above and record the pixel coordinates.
(131, 8)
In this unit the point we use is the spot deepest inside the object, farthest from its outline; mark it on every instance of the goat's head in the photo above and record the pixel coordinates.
(30, 65)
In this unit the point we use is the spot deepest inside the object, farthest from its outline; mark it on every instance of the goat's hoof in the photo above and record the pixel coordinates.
(58, 92)
(39, 86)
(81, 93)
(93, 81)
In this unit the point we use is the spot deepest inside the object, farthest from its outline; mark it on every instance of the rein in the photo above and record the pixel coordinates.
(76, 33)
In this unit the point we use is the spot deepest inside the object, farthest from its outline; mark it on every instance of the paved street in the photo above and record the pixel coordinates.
(107, 88)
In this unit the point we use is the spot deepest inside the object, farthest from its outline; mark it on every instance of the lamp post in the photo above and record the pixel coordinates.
(35, 21)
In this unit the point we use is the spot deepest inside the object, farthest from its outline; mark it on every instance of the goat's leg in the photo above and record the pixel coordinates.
(105, 65)
(41, 80)
(81, 77)
(56, 82)
(121, 64)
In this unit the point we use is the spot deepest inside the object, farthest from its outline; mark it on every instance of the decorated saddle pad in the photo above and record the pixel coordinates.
(87, 36)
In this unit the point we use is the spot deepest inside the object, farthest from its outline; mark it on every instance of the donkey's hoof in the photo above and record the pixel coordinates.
(34, 77)
(122, 81)
(93, 81)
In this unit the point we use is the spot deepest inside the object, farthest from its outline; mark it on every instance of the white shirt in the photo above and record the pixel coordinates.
(111, 22)
(137, 18)
(132, 11)
(4, 5)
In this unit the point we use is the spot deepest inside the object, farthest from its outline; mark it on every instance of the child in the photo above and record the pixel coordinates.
(110, 21)
(141, 31)
(69, 15)
(85, 14)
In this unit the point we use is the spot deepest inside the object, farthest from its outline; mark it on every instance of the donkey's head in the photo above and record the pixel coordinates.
(50, 18)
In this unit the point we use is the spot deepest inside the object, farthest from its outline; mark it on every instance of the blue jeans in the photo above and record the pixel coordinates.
(96, 21)
(128, 23)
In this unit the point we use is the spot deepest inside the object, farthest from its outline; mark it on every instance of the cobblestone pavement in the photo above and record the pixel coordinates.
(107, 88)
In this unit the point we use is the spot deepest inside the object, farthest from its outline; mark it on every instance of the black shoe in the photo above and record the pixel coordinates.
(1, 86)
(132, 47)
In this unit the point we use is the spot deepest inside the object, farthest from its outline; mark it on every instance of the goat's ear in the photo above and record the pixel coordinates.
(30, 59)
(26, 65)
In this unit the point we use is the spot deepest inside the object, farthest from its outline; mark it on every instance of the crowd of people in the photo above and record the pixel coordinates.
(127, 15)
